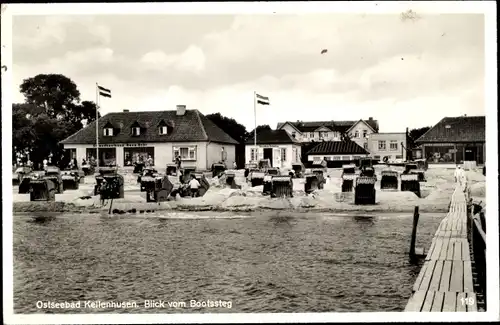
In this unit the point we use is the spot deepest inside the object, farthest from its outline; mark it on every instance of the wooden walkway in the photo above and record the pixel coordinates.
(445, 281)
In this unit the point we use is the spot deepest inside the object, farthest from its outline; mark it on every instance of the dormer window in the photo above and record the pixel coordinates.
(108, 132)
(165, 128)
(136, 131)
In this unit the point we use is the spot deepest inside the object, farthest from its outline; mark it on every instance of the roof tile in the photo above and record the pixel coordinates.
(337, 147)
(456, 129)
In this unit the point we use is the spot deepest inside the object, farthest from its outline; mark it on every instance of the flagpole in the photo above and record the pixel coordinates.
(97, 123)
(255, 116)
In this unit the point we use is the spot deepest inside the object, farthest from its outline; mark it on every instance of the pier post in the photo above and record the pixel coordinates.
(414, 232)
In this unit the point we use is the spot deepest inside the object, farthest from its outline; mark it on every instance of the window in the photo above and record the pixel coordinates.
(346, 157)
(283, 154)
(336, 158)
(365, 133)
(136, 131)
(381, 145)
(185, 153)
(356, 134)
(163, 130)
(376, 157)
(399, 157)
(293, 135)
(311, 134)
(316, 158)
(393, 145)
(253, 154)
(365, 145)
(108, 132)
(356, 157)
(132, 155)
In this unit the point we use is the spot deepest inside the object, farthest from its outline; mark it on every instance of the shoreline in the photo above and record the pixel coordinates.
(21, 208)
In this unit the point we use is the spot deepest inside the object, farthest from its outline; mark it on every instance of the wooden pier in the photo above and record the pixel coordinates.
(445, 283)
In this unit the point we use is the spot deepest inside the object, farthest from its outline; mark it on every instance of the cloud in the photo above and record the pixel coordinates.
(191, 60)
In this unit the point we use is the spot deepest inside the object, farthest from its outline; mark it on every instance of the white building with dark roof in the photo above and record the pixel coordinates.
(125, 137)
(331, 130)
(278, 146)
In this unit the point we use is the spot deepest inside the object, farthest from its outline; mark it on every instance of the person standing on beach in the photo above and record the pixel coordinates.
(194, 185)
(458, 174)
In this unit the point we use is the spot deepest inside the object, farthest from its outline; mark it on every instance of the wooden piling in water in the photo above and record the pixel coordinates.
(414, 232)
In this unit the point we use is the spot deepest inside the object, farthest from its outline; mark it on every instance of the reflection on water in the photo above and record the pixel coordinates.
(275, 262)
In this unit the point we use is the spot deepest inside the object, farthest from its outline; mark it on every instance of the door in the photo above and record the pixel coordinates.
(277, 158)
(268, 154)
(470, 153)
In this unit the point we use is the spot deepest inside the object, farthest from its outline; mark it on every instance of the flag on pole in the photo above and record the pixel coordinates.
(104, 91)
(263, 100)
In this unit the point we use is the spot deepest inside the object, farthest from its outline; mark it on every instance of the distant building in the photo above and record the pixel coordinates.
(336, 151)
(278, 146)
(331, 130)
(455, 140)
(127, 137)
(390, 145)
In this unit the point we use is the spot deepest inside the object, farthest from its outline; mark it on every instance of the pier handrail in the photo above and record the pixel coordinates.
(477, 240)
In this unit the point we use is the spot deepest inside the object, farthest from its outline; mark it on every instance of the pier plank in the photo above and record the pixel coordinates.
(461, 306)
(416, 301)
(468, 283)
(437, 304)
(472, 307)
(429, 298)
(465, 250)
(437, 249)
(431, 249)
(436, 276)
(420, 276)
(450, 301)
(427, 276)
(457, 277)
(449, 255)
(444, 284)
(444, 249)
(457, 254)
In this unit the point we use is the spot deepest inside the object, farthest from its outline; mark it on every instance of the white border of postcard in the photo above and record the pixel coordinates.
(487, 8)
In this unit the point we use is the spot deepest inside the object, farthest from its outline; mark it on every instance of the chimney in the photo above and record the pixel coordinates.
(370, 119)
(126, 111)
(181, 110)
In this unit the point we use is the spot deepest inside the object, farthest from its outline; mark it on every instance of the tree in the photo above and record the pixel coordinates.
(229, 125)
(417, 133)
(235, 130)
(52, 111)
(260, 128)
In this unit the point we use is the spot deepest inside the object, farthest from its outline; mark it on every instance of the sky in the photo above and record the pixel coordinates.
(402, 72)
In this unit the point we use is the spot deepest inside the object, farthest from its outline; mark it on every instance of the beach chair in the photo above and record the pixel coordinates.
(70, 180)
(268, 185)
(99, 178)
(319, 172)
(88, 169)
(264, 164)
(230, 180)
(281, 186)
(273, 171)
(19, 174)
(42, 189)
(138, 167)
(365, 190)
(367, 172)
(298, 170)
(171, 170)
(409, 182)
(218, 169)
(389, 180)
(53, 174)
(257, 178)
(348, 177)
(112, 187)
(161, 189)
(311, 184)
(147, 179)
(186, 174)
(248, 168)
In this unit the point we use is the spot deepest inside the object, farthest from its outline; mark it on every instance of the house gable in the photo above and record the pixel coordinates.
(323, 129)
(456, 129)
(358, 122)
(289, 126)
